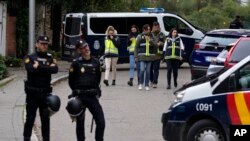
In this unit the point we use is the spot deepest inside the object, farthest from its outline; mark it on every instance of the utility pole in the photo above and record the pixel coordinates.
(31, 25)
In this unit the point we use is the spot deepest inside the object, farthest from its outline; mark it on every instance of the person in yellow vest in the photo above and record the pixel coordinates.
(131, 42)
(173, 50)
(159, 38)
(145, 50)
(111, 42)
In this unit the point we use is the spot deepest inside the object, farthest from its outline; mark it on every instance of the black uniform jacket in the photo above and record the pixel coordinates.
(40, 77)
(85, 74)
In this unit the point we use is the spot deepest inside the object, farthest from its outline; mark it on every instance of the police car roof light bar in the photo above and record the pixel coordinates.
(152, 10)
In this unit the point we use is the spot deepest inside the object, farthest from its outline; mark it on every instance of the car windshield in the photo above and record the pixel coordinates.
(221, 40)
(241, 50)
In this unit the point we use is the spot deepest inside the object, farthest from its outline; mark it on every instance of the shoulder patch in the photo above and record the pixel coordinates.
(27, 60)
(71, 69)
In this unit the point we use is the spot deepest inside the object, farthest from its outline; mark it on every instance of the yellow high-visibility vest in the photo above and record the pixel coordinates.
(131, 48)
(110, 47)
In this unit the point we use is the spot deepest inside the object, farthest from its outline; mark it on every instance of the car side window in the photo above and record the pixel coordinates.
(171, 22)
(237, 81)
(243, 80)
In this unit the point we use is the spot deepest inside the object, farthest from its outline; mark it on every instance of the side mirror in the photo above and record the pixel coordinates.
(232, 83)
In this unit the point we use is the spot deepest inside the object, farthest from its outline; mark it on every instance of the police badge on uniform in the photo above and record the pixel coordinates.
(82, 70)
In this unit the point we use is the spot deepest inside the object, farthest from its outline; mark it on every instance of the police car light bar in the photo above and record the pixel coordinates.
(152, 10)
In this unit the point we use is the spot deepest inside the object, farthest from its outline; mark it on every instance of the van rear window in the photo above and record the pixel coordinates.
(72, 26)
(122, 25)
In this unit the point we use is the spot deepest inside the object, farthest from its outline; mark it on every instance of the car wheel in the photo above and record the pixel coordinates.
(205, 130)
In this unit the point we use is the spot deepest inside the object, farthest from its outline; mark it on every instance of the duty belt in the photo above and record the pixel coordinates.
(89, 92)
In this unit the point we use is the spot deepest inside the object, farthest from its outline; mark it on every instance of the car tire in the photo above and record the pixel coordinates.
(205, 130)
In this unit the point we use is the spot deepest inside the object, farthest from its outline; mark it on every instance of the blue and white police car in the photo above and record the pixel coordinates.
(206, 108)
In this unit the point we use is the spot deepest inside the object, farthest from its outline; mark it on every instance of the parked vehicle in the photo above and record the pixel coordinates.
(92, 26)
(238, 52)
(208, 107)
(218, 63)
(210, 47)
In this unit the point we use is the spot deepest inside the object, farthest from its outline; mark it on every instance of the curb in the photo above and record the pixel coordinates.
(7, 80)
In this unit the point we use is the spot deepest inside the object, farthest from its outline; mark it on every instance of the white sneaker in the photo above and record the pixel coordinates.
(140, 87)
(147, 88)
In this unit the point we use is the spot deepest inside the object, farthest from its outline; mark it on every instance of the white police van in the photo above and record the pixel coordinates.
(207, 108)
(92, 27)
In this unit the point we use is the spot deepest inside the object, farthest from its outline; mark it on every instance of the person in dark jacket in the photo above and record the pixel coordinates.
(173, 50)
(39, 66)
(236, 23)
(84, 81)
(145, 51)
(131, 42)
(159, 38)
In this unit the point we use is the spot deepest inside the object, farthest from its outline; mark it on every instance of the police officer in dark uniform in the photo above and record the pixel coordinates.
(39, 65)
(84, 80)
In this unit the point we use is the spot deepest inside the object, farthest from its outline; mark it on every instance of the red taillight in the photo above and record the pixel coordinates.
(196, 46)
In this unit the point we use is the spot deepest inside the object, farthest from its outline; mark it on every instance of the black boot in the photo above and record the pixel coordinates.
(175, 84)
(106, 82)
(168, 87)
(113, 83)
(130, 82)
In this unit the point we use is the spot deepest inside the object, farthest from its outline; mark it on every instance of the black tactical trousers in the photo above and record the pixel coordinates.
(172, 65)
(32, 104)
(92, 103)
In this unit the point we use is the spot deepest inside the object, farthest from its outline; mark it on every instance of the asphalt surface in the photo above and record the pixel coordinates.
(130, 114)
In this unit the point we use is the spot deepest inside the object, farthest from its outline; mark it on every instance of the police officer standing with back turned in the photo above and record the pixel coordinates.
(39, 65)
(84, 80)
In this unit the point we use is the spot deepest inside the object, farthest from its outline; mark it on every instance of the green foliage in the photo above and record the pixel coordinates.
(208, 14)
(3, 70)
(104, 5)
(22, 29)
(13, 62)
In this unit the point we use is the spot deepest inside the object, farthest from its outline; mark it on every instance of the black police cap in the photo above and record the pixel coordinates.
(42, 39)
(81, 44)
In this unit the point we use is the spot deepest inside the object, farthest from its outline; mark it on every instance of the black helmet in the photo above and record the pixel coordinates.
(75, 107)
(53, 102)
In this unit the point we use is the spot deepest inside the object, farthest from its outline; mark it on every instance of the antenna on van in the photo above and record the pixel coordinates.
(152, 10)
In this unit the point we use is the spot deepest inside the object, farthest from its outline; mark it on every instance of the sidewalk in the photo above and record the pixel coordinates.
(12, 102)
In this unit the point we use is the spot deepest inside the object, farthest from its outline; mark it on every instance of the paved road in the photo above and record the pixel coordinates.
(131, 115)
